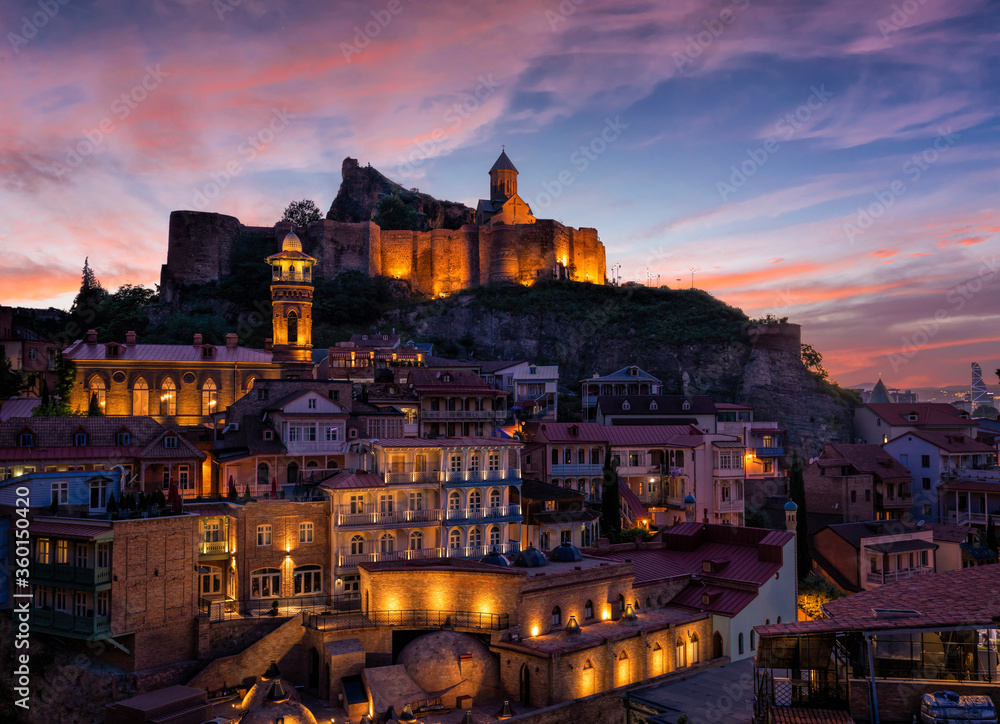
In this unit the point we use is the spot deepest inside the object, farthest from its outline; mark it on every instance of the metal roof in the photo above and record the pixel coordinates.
(190, 353)
(503, 163)
(69, 529)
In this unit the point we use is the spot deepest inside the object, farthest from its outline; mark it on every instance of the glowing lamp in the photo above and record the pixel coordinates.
(605, 615)
(534, 630)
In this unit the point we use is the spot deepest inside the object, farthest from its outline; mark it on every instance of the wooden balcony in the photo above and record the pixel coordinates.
(370, 517)
(482, 515)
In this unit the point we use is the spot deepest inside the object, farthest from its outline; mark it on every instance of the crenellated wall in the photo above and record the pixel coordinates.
(201, 246)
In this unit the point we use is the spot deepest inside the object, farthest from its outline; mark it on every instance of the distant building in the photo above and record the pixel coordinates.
(697, 410)
(533, 388)
(878, 423)
(503, 206)
(456, 403)
(28, 352)
(626, 381)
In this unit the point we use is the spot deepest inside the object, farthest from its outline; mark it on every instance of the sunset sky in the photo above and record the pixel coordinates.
(833, 162)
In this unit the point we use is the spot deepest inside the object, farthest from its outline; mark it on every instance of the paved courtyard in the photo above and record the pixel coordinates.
(715, 696)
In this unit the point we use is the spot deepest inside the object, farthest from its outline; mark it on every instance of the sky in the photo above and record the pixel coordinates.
(833, 162)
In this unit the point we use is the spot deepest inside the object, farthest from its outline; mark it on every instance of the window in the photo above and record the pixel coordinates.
(385, 503)
(43, 550)
(103, 602)
(416, 540)
(82, 556)
(98, 493)
(868, 496)
(261, 393)
(455, 539)
(62, 552)
(387, 543)
(168, 397)
(331, 433)
(556, 616)
(170, 441)
(681, 653)
(80, 439)
(264, 535)
(209, 397)
(588, 610)
(357, 545)
(103, 555)
(302, 433)
(416, 501)
(854, 496)
(27, 439)
(925, 461)
(60, 492)
(454, 500)
(474, 462)
(494, 461)
(184, 477)
(926, 483)
(98, 392)
(475, 538)
(293, 328)
(695, 650)
(475, 500)
(312, 403)
(307, 579)
(210, 531)
(566, 536)
(494, 536)
(123, 438)
(543, 541)
(140, 397)
(740, 643)
(265, 583)
(305, 532)
(211, 579)
(927, 508)
(455, 463)
(61, 601)
(495, 498)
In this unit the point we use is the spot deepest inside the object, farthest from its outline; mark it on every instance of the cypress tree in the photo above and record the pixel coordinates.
(611, 515)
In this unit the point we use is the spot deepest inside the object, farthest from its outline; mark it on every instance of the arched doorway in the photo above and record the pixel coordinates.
(717, 645)
(293, 328)
(525, 686)
(313, 669)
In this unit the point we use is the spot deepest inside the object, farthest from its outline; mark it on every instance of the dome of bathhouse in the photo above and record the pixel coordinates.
(453, 663)
(260, 690)
(291, 242)
(566, 552)
(278, 707)
(531, 557)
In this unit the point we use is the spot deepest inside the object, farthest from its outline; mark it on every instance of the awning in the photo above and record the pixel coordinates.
(69, 529)
(900, 546)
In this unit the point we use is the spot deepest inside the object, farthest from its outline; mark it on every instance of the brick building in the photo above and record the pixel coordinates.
(28, 352)
(456, 403)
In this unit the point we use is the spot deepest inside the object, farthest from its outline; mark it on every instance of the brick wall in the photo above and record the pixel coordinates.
(283, 645)
(441, 590)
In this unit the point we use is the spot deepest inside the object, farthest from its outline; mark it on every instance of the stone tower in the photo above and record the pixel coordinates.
(503, 179)
(291, 300)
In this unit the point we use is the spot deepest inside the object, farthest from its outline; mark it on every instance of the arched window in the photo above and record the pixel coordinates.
(588, 678)
(168, 397)
(695, 649)
(307, 579)
(293, 328)
(209, 397)
(97, 392)
(140, 397)
(455, 539)
(475, 537)
(265, 583)
(588, 610)
(387, 543)
(557, 616)
(474, 462)
(495, 498)
(454, 500)
(357, 545)
(263, 474)
(649, 602)
(778, 620)
(494, 535)
(739, 642)
(331, 464)
(680, 651)
(416, 540)
(475, 500)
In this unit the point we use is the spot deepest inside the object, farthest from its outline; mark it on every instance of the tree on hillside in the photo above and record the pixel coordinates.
(302, 213)
(611, 514)
(12, 381)
(58, 404)
(392, 213)
(813, 361)
(797, 492)
(86, 307)
(125, 311)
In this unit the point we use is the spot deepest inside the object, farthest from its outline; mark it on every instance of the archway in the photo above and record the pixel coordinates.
(313, 669)
(293, 328)
(525, 686)
(717, 645)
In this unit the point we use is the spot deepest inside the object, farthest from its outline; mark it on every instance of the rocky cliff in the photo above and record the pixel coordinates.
(361, 189)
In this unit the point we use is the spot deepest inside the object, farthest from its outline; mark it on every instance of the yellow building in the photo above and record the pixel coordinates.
(291, 301)
(504, 205)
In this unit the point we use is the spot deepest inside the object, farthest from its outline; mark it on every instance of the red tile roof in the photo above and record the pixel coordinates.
(872, 459)
(620, 435)
(67, 529)
(973, 486)
(938, 414)
(953, 443)
(722, 601)
(359, 479)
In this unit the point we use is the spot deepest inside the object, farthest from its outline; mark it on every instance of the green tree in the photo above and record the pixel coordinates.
(58, 405)
(85, 311)
(813, 361)
(302, 213)
(797, 492)
(392, 213)
(12, 382)
(986, 411)
(94, 408)
(611, 514)
(124, 311)
(754, 517)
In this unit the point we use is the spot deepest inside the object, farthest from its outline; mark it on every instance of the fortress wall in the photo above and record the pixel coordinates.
(588, 255)
(199, 245)
(341, 247)
(536, 249)
(452, 255)
(423, 264)
(397, 249)
(483, 235)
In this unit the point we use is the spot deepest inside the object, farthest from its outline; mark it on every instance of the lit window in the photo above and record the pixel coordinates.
(263, 535)
(168, 398)
(305, 532)
(265, 583)
(43, 550)
(307, 579)
(209, 396)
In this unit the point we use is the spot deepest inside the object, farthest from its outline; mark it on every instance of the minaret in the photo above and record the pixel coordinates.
(503, 179)
(291, 300)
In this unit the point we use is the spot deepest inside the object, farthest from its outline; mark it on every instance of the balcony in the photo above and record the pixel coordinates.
(409, 475)
(571, 469)
(887, 502)
(477, 515)
(769, 452)
(880, 577)
(213, 548)
(967, 518)
(728, 472)
(473, 478)
(370, 517)
(408, 619)
(349, 559)
(66, 624)
(642, 469)
(729, 506)
(334, 447)
(55, 573)
(504, 549)
(429, 415)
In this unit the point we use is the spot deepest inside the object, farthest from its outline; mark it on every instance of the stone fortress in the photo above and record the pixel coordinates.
(505, 244)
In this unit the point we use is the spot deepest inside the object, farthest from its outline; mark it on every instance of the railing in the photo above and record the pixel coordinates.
(729, 506)
(370, 517)
(809, 693)
(769, 452)
(412, 477)
(458, 414)
(463, 514)
(467, 477)
(65, 573)
(349, 558)
(408, 619)
(966, 518)
(68, 623)
(893, 501)
(316, 446)
(881, 577)
(290, 275)
(504, 549)
(225, 609)
(578, 469)
(991, 474)
(642, 469)
(213, 548)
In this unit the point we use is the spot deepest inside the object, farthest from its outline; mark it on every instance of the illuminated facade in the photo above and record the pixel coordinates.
(291, 301)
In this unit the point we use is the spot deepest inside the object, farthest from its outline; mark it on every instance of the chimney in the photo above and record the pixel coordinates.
(268, 343)
(91, 336)
(197, 340)
(232, 340)
(130, 338)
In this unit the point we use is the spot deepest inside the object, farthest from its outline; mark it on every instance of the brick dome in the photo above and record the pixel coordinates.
(452, 661)
(291, 242)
